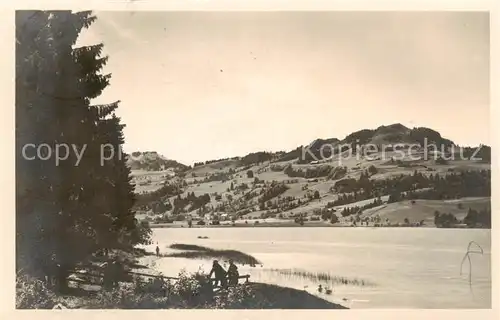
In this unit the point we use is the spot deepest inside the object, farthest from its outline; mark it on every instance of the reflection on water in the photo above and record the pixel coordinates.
(411, 268)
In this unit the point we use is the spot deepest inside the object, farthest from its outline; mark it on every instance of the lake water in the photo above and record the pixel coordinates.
(409, 267)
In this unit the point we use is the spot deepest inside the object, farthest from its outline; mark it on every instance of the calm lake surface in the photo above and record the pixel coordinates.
(409, 267)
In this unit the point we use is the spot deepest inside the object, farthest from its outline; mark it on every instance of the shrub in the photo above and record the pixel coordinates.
(128, 296)
(250, 174)
(372, 170)
(189, 292)
(240, 297)
(334, 219)
(32, 293)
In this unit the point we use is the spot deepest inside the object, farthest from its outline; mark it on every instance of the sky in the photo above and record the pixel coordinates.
(196, 86)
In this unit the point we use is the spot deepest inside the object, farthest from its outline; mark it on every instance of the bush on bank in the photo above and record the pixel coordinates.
(190, 291)
(32, 293)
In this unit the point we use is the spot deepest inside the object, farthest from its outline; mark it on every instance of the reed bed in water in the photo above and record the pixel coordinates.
(193, 247)
(318, 277)
(193, 251)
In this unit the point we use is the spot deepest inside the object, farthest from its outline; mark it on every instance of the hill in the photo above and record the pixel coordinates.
(152, 161)
(284, 187)
(389, 135)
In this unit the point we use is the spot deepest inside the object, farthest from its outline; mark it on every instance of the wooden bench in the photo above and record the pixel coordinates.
(147, 275)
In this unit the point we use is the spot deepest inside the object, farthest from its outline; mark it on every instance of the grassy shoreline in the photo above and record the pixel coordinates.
(263, 295)
(190, 291)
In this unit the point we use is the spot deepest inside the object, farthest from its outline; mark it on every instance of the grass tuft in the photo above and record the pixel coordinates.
(324, 277)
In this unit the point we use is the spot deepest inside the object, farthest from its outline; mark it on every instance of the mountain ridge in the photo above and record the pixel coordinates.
(153, 161)
(287, 187)
(391, 134)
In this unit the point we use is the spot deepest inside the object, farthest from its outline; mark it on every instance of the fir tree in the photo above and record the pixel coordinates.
(67, 211)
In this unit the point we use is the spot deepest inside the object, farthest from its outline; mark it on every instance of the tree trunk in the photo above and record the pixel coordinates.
(62, 278)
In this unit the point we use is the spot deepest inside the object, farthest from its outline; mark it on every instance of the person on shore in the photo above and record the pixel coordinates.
(219, 272)
(232, 273)
(157, 251)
